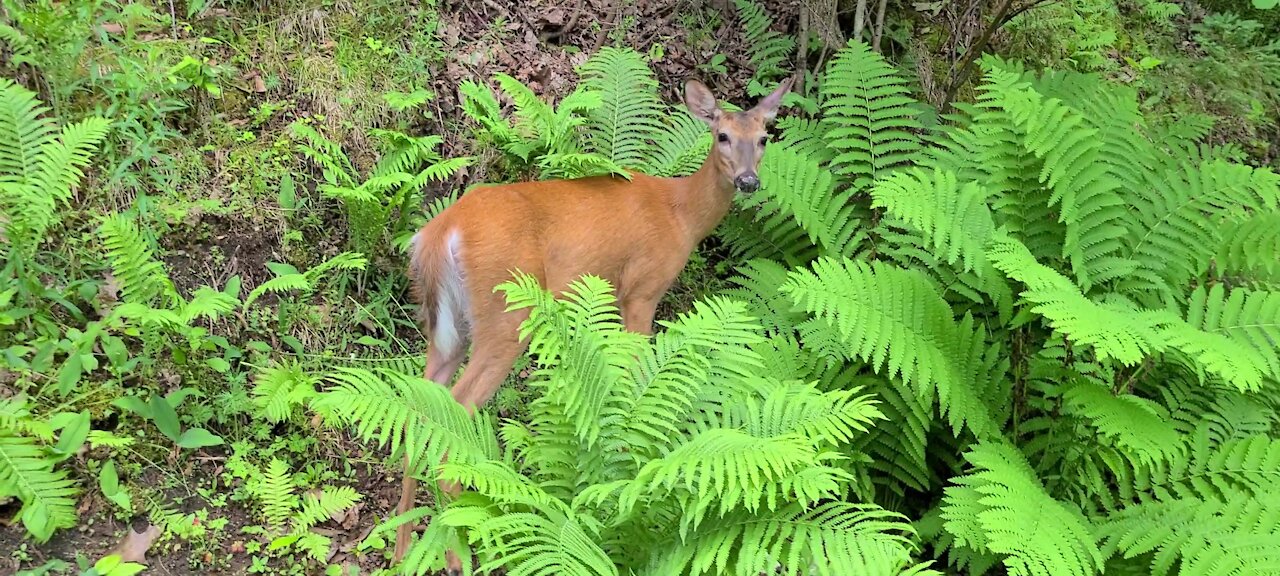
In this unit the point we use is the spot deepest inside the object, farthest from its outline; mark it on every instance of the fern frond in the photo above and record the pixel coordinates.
(720, 465)
(1091, 208)
(23, 133)
(1241, 466)
(806, 192)
(1133, 423)
(758, 282)
(956, 218)
(580, 348)
(897, 445)
(1178, 226)
(281, 387)
(629, 116)
(1251, 247)
(1239, 535)
(807, 136)
(328, 503)
(417, 419)
(894, 320)
(1127, 335)
(141, 276)
(1001, 506)
(326, 153)
(1247, 317)
(47, 495)
(828, 539)
(768, 48)
(552, 540)
(868, 107)
(680, 147)
(498, 482)
(208, 303)
(274, 491)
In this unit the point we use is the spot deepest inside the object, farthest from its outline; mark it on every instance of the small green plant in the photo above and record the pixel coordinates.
(291, 516)
(385, 204)
(162, 411)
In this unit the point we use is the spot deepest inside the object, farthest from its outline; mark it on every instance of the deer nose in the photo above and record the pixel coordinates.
(747, 183)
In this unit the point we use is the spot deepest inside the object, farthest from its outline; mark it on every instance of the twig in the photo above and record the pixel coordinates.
(568, 27)
(802, 55)
(878, 31)
(604, 30)
(859, 19)
(173, 21)
(960, 73)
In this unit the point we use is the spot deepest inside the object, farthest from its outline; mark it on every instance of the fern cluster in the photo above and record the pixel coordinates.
(40, 166)
(612, 123)
(691, 431)
(1066, 313)
(1044, 330)
(382, 205)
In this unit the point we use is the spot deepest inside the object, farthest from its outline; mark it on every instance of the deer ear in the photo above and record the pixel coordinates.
(768, 106)
(700, 101)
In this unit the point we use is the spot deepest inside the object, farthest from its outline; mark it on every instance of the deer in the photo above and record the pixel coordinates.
(635, 233)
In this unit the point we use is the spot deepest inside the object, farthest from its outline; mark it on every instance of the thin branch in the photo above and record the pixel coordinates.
(878, 30)
(860, 19)
(960, 73)
(568, 27)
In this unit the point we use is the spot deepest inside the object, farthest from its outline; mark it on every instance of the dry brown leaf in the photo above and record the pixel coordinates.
(135, 545)
(112, 28)
(350, 517)
(259, 85)
(109, 291)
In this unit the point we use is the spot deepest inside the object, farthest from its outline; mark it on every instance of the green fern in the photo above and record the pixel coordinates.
(39, 167)
(627, 433)
(768, 49)
(1091, 208)
(1135, 424)
(1251, 247)
(141, 276)
(824, 540)
(955, 216)
(681, 146)
(630, 112)
(291, 279)
(1201, 536)
(869, 112)
(1002, 507)
(894, 320)
(280, 388)
(274, 491)
(27, 473)
(391, 408)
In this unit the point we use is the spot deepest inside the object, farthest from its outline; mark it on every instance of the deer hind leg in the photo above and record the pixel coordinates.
(497, 346)
(442, 364)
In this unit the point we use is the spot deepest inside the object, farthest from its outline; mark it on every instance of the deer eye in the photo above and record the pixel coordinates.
(723, 137)
(763, 140)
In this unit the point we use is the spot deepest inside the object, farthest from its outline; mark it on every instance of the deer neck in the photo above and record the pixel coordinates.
(702, 199)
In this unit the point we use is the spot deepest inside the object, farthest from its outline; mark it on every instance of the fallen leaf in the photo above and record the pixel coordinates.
(350, 517)
(259, 85)
(135, 545)
(112, 28)
(109, 291)
(552, 17)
